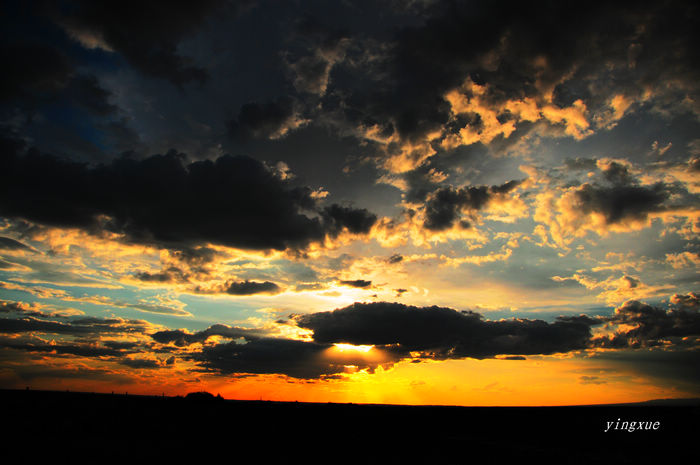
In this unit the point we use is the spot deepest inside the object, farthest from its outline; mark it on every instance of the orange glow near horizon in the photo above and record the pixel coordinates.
(545, 381)
(470, 382)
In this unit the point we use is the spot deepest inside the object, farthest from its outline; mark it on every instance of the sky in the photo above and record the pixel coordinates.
(406, 202)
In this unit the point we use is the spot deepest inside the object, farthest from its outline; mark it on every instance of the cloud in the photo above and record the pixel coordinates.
(270, 120)
(29, 324)
(80, 350)
(159, 305)
(622, 202)
(34, 371)
(240, 288)
(39, 74)
(252, 287)
(179, 266)
(7, 243)
(642, 325)
(354, 220)
(395, 331)
(160, 200)
(170, 275)
(360, 283)
(462, 75)
(311, 72)
(141, 363)
(34, 310)
(440, 332)
(617, 198)
(82, 326)
(183, 338)
(400, 292)
(677, 366)
(147, 35)
(617, 290)
(32, 69)
(689, 301)
(298, 359)
(591, 380)
(85, 92)
(154, 308)
(445, 205)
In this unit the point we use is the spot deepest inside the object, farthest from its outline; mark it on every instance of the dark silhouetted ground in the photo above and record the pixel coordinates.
(66, 427)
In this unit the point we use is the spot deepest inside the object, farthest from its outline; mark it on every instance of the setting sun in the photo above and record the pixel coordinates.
(352, 348)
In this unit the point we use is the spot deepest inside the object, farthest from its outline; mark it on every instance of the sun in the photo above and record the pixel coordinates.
(352, 348)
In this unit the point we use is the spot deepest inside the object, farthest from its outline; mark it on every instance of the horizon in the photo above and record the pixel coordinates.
(405, 203)
(214, 397)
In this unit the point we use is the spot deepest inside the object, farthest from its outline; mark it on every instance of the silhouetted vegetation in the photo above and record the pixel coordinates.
(203, 396)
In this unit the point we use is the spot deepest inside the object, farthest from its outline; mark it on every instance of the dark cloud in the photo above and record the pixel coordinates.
(311, 71)
(234, 200)
(240, 288)
(298, 359)
(182, 338)
(252, 287)
(39, 74)
(31, 372)
(441, 332)
(86, 92)
(445, 205)
(169, 275)
(140, 363)
(591, 52)
(80, 350)
(17, 307)
(591, 380)
(617, 174)
(420, 182)
(189, 261)
(396, 258)
(694, 165)
(120, 345)
(195, 255)
(85, 326)
(580, 163)
(648, 326)
(147, 34)
(11, 244)
(29, 324)
(263, 120)
(622, 198)
(32, 69)
(677, 366)
(690, 301)
(361, 283)
(119, 135)
(356, 221)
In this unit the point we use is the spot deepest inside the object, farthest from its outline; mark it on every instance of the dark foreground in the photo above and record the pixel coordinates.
(62, 427)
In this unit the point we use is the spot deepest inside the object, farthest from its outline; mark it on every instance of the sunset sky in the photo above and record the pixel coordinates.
(413, 202)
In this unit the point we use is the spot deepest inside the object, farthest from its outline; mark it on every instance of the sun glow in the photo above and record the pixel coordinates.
(351, 347)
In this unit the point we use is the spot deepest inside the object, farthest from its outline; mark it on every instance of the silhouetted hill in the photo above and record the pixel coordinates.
(203, 396)
(102, 428)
